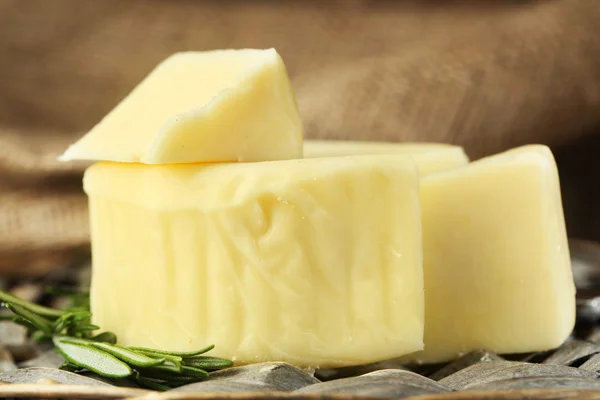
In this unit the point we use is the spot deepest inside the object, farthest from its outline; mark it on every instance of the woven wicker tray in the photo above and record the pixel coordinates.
(569, 372)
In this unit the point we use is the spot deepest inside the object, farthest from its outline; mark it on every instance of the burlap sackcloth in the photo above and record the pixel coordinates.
(487, 75)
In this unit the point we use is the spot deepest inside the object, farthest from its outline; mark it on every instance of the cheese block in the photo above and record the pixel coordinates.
(496, 259)
(316, 262)
(224, 105)
(430, 157)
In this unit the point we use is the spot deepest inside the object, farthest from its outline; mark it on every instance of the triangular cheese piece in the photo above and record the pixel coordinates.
(214, 106)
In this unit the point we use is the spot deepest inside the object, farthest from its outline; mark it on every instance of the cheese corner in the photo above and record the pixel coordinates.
(496, 258)
(214, 106)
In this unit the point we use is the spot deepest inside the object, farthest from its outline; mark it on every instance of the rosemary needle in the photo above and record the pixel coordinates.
(128, 356)
(107, 337)
(8, 298)
(100, 362)
(176, 353)
(209, 363)
(70, 331)
(38, 322)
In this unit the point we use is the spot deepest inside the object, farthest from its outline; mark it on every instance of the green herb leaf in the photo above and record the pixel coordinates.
(81, 315)
(175, 360)
(169, 366)
(37, 321)
(8, 298)
(25, 323)
(40, 337)
(152, 384)
(195, 372)
(208, 363)
(94, 360)
(171, 378)
(130, 357)
(175, 353)
(85, 328)
(70, 331)
(69, 367)
(60, 324)
(106, 337)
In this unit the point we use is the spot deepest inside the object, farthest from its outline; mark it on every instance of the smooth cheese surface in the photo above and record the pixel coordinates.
(496, 259)
(316, 262)
(214, 106)
(430, 157)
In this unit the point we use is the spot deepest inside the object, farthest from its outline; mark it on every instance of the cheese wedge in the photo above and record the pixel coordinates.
(316, 262)
(430, 157)
(496, 259)
(225, 105)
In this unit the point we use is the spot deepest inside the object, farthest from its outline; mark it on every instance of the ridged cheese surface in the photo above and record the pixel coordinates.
(316, 262)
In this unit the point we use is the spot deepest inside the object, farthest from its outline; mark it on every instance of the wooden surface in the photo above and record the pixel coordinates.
(86, 392)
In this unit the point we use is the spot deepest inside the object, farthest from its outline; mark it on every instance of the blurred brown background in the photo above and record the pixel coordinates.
(487, 75)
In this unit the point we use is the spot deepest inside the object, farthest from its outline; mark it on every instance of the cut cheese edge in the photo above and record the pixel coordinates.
(430, 157)
(315, 262)
(215, 106)
(496, 258)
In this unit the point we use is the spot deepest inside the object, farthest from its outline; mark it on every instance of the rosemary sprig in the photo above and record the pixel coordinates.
(71, 332)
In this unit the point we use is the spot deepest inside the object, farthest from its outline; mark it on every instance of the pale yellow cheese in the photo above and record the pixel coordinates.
(496, 260)
(316, 262)
(430, 157)
(224, 105)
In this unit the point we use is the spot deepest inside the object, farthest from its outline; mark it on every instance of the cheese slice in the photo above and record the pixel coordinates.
(496, 259)
(316, 262)
(430, 157)
(225, 105)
